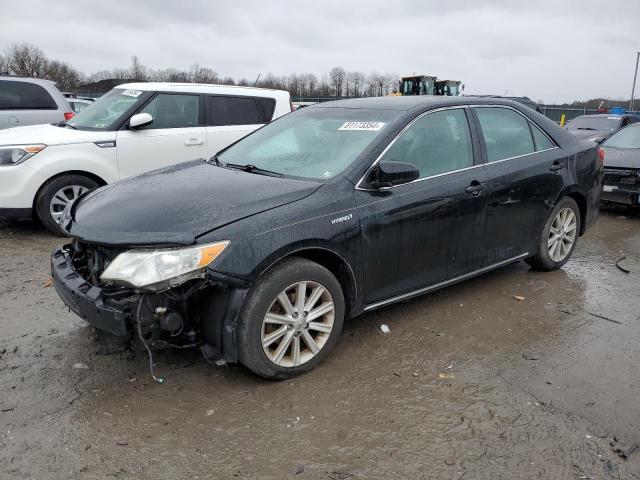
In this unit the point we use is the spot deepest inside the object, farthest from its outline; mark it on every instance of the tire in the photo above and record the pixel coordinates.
(63, 187)
(547, 258)
(266, 298)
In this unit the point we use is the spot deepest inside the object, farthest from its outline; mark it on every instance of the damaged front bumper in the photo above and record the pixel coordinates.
(84, 299)
(201, 313)
(621, 186)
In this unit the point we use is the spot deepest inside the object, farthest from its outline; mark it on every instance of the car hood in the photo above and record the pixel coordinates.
(590, 133)
(621, 157)
(51, 135)
(175, 205)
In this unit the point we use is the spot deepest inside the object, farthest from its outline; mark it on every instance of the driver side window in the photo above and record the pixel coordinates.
(173, 111)
(436, 143)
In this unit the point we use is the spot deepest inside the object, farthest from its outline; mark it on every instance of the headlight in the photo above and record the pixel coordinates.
(158, 269)
(15, 154)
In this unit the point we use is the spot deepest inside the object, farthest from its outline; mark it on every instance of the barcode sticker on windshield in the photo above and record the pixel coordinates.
(369, 126)
(132, 93)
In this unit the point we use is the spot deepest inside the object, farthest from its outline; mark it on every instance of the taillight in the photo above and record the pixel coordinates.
(68, 116)
(600, 157)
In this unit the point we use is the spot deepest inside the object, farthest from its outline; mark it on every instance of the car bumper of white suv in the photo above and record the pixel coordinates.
(18, 187)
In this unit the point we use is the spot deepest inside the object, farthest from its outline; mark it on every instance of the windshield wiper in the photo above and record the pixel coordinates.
(249, 168)
(585, 128)
(215, 161)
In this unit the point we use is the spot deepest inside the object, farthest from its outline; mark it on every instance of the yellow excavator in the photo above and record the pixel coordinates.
(428, 85)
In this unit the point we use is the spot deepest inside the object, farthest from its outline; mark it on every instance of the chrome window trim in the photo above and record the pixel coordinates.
(408, 125)
(445, 283)
(358, 185)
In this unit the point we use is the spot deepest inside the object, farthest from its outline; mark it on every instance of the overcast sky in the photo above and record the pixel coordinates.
(546, 49)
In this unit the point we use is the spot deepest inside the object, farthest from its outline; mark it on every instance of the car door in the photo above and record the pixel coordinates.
(526, 173)
(426, 231)
(175, 135)
(229, 118)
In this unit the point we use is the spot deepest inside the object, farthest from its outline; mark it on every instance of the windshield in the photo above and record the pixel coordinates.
(313, 143)
(108, 109)
(626, 138)
(594, 123)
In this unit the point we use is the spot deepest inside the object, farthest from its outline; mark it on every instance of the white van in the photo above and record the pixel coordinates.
(133, 129)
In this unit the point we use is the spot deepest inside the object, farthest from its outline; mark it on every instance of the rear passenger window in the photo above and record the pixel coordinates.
(173, 111)
(506, 133)
(435, 143)
(24, 96)
(540, 140)
(234, 111)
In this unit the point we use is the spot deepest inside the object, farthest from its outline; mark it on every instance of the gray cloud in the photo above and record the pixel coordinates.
(550, 50)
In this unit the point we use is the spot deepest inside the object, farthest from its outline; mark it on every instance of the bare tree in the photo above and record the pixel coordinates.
(310, 84)
(65, 76)
(26, 60)
(355, 82)
(337, 75)
(137, 71)
(203, 74)
(3, 66)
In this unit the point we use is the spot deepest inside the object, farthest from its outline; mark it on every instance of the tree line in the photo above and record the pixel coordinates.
(26, 60)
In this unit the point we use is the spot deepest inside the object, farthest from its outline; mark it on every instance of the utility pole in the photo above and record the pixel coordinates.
(633, 89)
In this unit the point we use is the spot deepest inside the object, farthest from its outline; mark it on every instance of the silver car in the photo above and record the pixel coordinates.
(31, 101)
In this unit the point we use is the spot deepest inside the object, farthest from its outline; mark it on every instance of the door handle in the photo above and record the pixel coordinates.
(193, 141)
(475, 188)
(556, 166)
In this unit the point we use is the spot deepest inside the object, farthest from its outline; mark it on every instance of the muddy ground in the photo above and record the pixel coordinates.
(469, 383)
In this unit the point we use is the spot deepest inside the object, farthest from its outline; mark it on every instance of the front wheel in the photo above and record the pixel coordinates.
(57, 194)
(291, 319)
(559, 237)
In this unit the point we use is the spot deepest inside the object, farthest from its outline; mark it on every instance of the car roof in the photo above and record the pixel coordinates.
(197, 88)
(604, 115)
(40, 81)
(405, 103)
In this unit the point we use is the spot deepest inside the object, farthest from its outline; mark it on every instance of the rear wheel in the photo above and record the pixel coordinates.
(559, 237)
(57, 194)
(290, 320)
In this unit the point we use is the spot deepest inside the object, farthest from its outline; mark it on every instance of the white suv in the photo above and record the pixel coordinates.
(134, 128)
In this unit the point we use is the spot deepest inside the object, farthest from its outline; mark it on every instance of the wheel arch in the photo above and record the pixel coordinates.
(580, 199)
(333, 261)
(99, 180)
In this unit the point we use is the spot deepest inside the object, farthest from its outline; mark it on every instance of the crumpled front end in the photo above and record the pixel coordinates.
(199, 313)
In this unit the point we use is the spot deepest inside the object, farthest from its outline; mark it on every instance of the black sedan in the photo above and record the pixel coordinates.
(259, 254)
(622, 167)
(599, 127)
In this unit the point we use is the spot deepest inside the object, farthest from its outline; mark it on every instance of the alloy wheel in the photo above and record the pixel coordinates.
(297, 324)
(64, 197)
(562, 234)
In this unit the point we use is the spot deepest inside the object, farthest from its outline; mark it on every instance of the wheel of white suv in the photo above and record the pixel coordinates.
(559, 236)
(290, 320)
(56, 194)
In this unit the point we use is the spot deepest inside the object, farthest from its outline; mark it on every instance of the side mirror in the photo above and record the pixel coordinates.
(140, 120)
(388, 173)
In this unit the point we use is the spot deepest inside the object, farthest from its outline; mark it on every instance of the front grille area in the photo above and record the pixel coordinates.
(624, 176)
(91, 260)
